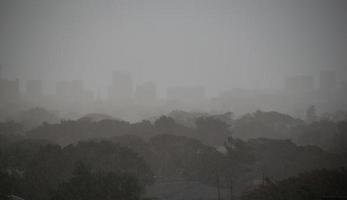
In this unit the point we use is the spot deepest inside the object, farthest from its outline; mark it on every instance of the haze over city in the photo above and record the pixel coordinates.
(220, 45)
(173, 99)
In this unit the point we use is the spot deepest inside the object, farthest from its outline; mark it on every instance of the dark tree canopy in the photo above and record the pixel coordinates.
(308, 185)
(88, 185)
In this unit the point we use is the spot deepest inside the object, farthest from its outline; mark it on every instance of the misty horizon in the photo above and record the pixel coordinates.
(173, 99)
(221, 46)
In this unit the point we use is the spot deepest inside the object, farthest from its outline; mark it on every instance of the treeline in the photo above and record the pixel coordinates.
(71, 156)
(37, 169)
(316, 184)
(209, 129)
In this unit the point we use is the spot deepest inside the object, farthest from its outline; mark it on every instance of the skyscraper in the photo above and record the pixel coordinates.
(9, 90)
(72, 91)
(121, 88)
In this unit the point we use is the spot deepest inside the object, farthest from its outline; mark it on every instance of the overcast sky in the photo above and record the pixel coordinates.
(219, 44)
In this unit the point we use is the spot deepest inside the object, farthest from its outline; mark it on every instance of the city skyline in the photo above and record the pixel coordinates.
(174, 42)
(324, 80)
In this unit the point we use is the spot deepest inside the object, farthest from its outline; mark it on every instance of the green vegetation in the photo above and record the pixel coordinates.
(112, 159)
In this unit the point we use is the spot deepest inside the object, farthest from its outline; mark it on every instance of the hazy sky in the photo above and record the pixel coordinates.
(219, 44)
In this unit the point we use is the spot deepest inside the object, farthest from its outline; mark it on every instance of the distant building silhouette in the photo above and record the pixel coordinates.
(72, 91)
(9, 90)
(77, 88)
(327, 80)
(63, 89)
(301, 84)
(121, 88)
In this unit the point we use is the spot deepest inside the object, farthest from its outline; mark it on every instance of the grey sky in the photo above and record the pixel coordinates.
(219, 44)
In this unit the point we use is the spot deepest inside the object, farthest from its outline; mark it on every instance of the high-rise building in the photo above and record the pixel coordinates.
(121, 88)
(62, 89)
(72, 91)
(327, 80)
(77, 88)
(9, 90)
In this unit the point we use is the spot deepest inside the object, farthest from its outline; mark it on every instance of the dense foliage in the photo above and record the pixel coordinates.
(88, 185)
(308, 185)
(41, 163)
(34, 169)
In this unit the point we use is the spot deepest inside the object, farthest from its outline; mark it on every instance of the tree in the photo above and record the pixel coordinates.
(165, 123)
(88, 185)
(212, 131)
(341, 138)
(238, 162)
(52, 165)
(308, 185)
(264, 124)
(8, 185)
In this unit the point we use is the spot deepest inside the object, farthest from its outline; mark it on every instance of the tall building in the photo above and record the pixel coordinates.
(146, 93)
(327, 80)
(121, 88)
(77, 88)
(34, 89)
(72, 91)
(301, 84)
(9, 90)
(62, 89)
